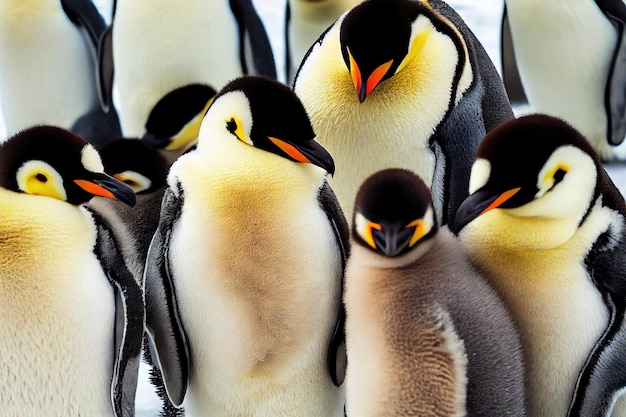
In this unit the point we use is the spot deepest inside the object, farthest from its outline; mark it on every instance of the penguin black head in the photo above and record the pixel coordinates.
(535, 166)
(268, 115)
(378, 38)
(175, 120)
(53, 162)
(393, 213)
(135, 163)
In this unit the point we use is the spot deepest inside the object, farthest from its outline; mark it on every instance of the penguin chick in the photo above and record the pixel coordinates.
(546, 224)
(164, 44)
(402, 84)
(71, 313)
(305, 21)
(425, 333)
(244, 274)
(570, 60)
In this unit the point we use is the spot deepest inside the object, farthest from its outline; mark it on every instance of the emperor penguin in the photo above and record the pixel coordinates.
(426, 335)
(174, 122)
(49, 51)
(244, 275)
(570, 59)
(305, 21)
(72, 315)
(546, 224)
(161, 45)
(402, 84)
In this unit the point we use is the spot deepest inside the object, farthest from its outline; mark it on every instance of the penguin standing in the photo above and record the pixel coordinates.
(159, 46)
(305, 21)
(571, 59)
(48, 56)
(426, 93)
(71, 313)
(546, 224)
(244, 274)
(425, 333)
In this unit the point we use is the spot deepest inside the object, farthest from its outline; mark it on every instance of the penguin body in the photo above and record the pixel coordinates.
(161, 46)
(48, 54)
(425, 333)
(72, 315)
(571, 64)
(244, 274)
(426, 92)
(546, 224)
(306, 20)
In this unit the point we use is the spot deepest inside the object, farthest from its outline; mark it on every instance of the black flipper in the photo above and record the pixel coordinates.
(129, 319)
(603, 376)
(510, 73)
(99, 124)
(105, 70)
(337, 357)
(252, 35)
(615, 92)
(167, 340)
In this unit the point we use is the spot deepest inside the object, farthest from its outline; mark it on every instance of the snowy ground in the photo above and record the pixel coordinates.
(482, 16)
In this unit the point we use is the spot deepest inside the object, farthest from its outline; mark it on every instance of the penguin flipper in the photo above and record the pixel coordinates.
(129, 319)
(86, 16)
(337, 357)
(105, 70)
(603, 376)
(510, 73)
(168, 342)
(615, 92)
(252, 35)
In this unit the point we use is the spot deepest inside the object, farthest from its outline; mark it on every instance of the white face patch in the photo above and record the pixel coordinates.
(481, 170)
(232, 107)
(134, 180)
(39, 178)
(364, 228)
(90, 158)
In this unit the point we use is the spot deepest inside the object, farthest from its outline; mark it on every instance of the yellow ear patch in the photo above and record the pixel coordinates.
(238, 131)
(39, 178)
(189, 132)
(416, 47)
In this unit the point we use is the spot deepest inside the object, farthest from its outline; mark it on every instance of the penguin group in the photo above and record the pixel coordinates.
(369, 231)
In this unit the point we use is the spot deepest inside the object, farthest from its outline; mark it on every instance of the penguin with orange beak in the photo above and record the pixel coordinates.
(402, 84)
(71, 312)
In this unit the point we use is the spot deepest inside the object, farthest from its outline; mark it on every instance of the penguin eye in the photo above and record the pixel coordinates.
(559, 175)
(41, 177)
(231, 125)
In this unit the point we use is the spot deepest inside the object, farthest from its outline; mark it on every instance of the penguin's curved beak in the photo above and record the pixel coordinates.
(365, 87)
(101, 184)
(392, 239)
(309, 151)
(479, 203)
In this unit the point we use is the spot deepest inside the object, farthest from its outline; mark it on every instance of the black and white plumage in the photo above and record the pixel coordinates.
(570, 60)
(72, 314)
(48, 68)
(426, 93)
(244, 275)
(546, 223)
(159, 46)
(425, 333)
